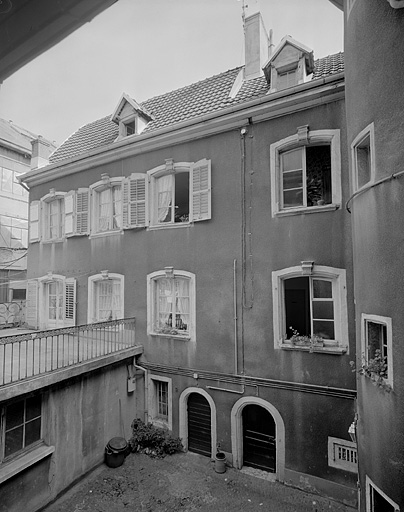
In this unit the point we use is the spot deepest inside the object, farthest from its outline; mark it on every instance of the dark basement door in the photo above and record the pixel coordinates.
(199, 425)
(259, 448)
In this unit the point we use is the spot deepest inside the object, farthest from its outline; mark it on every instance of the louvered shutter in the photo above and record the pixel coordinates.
(69, 213)
(70, 302)
(82, 207)
(34, 208)
(134, 201)
(31, 309)
(200, 190)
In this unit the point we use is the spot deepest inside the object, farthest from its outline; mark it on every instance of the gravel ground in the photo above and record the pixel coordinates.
(183, 482)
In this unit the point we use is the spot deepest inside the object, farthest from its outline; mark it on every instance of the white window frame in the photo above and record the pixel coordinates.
(151, 297)
(369, 485)
(44, 217)
(37, 301)
(153, 415)
(369, 131)
(383, 320)
(313, 138)
(342, 447)
(338, 278)
(92, 283)
(95, 190)
(171, 168)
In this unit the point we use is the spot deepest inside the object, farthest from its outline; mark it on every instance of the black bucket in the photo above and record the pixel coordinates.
(115, 452)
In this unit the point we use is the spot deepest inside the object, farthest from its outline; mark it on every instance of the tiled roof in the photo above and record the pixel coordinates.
(200, 98)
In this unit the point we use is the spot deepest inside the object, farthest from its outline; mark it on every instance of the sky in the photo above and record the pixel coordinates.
(148, 47)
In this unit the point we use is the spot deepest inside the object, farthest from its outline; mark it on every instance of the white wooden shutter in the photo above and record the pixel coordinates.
(200, 190)
(34, 209)
(70, 302)
(82, 210)
(134, 200)
(69, 213)
(31, 311)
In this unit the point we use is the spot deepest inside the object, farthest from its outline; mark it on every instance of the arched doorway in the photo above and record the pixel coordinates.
(238, 420)
(199, 425)
(259, 438)
(184, 418)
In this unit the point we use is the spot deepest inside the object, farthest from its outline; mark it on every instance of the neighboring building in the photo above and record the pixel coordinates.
(18, 153)
(214, 215)
(374, 48)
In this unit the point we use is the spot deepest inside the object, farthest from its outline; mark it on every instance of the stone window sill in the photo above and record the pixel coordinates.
(317, 350)
(308, 209)
(24, 461)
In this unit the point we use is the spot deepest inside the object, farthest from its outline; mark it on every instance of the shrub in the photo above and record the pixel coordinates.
(152, 440)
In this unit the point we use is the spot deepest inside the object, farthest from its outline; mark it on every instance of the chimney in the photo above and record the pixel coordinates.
(41, 150)
(256, 42)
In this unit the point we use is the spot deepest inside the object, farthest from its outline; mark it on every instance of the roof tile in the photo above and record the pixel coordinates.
(201, 98)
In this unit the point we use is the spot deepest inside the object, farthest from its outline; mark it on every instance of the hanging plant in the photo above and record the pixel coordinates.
(375, 369)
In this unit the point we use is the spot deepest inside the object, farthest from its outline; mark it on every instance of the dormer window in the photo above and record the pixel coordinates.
(130, 128)
(290, 65)
(131, 117)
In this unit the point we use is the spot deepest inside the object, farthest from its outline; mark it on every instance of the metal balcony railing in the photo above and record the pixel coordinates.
(28, 355)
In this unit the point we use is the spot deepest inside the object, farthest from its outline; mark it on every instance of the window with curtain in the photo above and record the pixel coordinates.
(108, 300)
(54, 211)
(108, 209)
(171, 304)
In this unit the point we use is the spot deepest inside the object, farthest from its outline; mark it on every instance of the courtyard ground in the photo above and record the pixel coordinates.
(183, 482)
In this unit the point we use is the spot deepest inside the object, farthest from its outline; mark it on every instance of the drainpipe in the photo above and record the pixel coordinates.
(235, 316)
(146, 388)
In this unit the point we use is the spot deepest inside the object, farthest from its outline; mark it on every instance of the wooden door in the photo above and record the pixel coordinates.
(259, 448)
(199, 425)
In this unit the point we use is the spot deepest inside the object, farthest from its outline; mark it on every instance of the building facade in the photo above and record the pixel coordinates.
(17, 155)
(214, 215)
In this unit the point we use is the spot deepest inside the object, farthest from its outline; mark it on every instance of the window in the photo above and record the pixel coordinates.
(377, 342)
(105, 297)
(363, 165)
(171, 304)
(306, 172)
(310, 304)
(286, 79)
(21, 425)
(160, 401)
(377, 500)
(51, 302)
(180, 193)
(14, 231)
(107, 205)
(49, 213)
(342, 454)
(54, 219)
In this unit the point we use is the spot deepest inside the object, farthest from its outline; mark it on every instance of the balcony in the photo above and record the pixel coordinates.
(39, 358)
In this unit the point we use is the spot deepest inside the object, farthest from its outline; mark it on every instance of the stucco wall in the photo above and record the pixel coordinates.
(79, 418)
(374, 48)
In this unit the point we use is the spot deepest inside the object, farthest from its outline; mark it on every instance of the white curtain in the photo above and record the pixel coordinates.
(104, 199)
(164, 194)
(182, 299)
(165, 303)
(116, 208)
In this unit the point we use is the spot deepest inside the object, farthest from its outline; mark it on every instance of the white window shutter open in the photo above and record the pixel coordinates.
(82, 210)
(69, 213)
(134, 200)
(34, 209)
(31, 312)
(201, 190)
(70, 302)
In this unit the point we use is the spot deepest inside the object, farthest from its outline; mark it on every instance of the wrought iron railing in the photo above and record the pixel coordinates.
(27, 355)
(12, 313)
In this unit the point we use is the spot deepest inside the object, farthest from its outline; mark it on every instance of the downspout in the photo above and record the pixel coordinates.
(235, 316)
(146, 388)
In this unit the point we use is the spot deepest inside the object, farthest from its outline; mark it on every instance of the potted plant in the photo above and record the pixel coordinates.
(375, 368)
